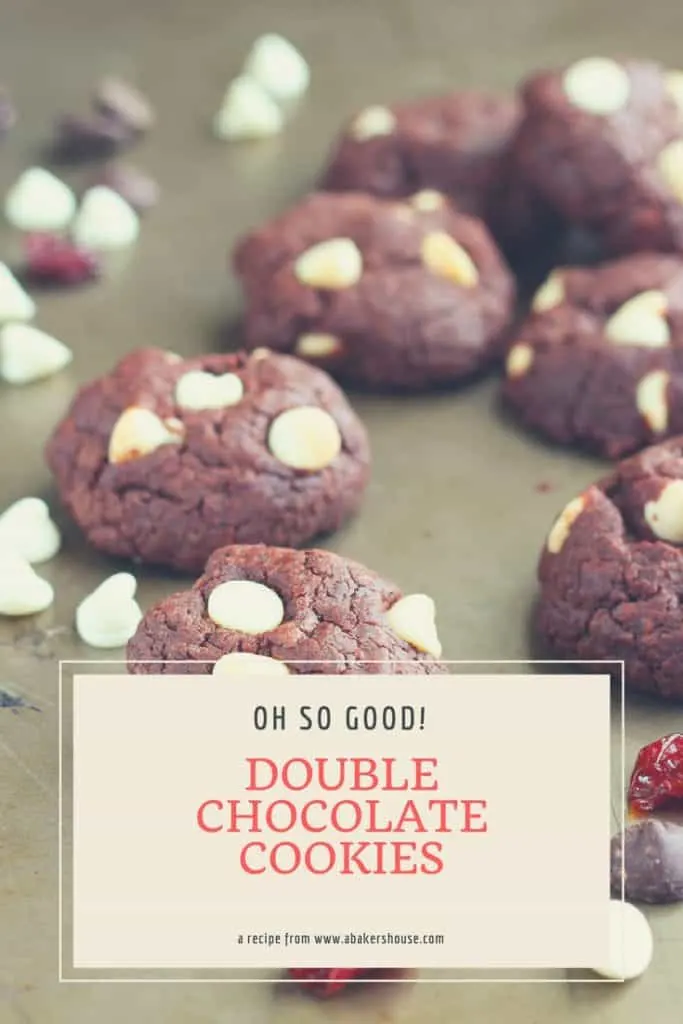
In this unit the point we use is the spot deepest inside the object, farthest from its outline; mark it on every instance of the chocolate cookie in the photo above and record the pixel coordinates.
(458, 144)
(611, 573)
(166, 459)
(263, 610)
(599, 362)
(602, 140)
(391, 295)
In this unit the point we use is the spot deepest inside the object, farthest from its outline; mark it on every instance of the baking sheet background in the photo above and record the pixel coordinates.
(453, 507)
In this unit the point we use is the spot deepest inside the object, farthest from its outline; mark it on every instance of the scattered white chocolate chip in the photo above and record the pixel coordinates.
(371, 122)
(241, 663)
(278, 67)
(109, 616)
(317, 346)
(306, 437)
(15, 303)
(260, 353)
(247, 112)
(412, 618)
(630, 943)
(27, 354)
(246, 607)
(563, 524)
(138, 432)
(674, 86)
(519, 360)
(427, 200)
(550, 294)
(445, 257)
(105, 221)
(336, 263)
(670, 164)
(665, 515)
(22, 590)
(651, 400)
(199, 390)
(38, 201)
(27, 528)
(597, 85)
(640, 321)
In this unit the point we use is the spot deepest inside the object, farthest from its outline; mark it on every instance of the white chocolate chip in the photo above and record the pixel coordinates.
(563, 524)
(110, 615)
(597, 85)
(22, 590)
(247, 112)
(278, 67)
(519, 360)
(550, 294)
(674, 86)
(336, 263)
(105, 221)
(427, 200)
(246, 607)
(27, 528)
(631, 944)
(445, 257)
(27, 354)
(306, 437)
(138, 432)
(241, 663)
(412, 618)
(651, 400)
(641, 321)
(317, 346)
(198, 390)
(665, 515)
(371, 122)
(38, 201)
(15, 303)
(670, 164)
(261, 353)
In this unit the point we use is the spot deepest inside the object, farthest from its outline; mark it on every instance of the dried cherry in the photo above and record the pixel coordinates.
(657, 777)
(326, 981)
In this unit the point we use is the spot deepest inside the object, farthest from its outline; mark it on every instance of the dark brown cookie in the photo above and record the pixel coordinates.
(166, 459)
(599, 362)
(264, 610)
(602, 140)
(611, 573)
(387, 294)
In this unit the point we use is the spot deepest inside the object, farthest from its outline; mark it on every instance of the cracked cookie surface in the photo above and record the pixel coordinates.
(165, 459)
(260, 609)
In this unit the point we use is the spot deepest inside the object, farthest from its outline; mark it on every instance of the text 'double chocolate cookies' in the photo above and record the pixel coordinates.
(602, 140)
(390, 295)
(599, 361)
(262, 610)
(611, 573)
(166, 459)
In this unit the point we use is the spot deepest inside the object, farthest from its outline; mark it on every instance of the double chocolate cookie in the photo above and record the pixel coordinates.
(611, 573)
(599, 362)
(263, 610)
(387, 294)
(165, 459)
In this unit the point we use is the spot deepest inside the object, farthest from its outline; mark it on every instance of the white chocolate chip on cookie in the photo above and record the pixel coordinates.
(198, 390)
(27, 528)
(597, 85)
(665, 515)
(427, 200)
(651, 400)
(138, 432)
(317, 346)
(670, 164)
(447, 258)
(306, 437)
(110, 615)
(674, 87)
(371, 122)
(335, 264)
(246, 607)
(412, 618)
(563, 524)
(519, 360)
(549, 295)
(22, 590)
(641, 321)
(242, 663)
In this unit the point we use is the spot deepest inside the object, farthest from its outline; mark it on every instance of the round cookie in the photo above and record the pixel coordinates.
(264, 610)
(611, 573)
(165, 459)
(599, 361)
(385, 294)
(602, 141)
